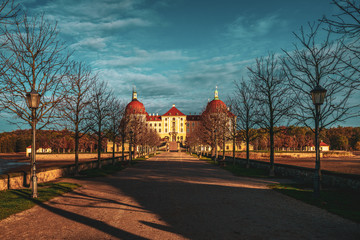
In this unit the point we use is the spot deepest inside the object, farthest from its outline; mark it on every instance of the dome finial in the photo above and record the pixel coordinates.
(216, 94)
(134, 93)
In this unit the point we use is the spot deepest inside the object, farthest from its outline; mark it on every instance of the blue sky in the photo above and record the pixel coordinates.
(176, 51)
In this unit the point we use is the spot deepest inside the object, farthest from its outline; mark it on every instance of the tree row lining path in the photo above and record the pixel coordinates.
(175, 196)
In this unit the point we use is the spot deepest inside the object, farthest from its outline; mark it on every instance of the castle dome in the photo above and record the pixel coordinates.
(135, 106)
(216, 105)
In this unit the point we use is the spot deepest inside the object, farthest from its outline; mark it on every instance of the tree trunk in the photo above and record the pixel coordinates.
(247, 152)
(122, 149)
(234, 148)
(247, 148)
(76, 150)
(272, 170)
(113, 153)
(223, 157)
(99, 147)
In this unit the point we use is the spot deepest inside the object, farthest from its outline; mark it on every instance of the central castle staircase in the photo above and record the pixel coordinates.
(173, 146)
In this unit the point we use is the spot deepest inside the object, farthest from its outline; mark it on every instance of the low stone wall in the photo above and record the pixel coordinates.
(258, 155)
(71, 156)
(332, 179)
(22, 179)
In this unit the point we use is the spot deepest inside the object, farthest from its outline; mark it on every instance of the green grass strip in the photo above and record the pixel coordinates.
(14, 201)
(340, 202)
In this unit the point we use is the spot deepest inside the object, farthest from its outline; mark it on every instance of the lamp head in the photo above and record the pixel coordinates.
(318, 95)
(33, 99)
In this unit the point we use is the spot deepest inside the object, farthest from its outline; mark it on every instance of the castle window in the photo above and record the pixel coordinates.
(182, 130)
(173, 119)
(181, 124)
(165, 124)
(159, 124)
(155, 124)
(165, 129)
(159, 130)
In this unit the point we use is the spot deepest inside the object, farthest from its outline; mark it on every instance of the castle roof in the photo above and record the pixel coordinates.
(153, 118)
(135, 107)
(217, 106)
(174, 112)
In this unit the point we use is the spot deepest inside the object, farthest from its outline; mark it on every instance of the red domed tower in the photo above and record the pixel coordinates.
(216, 105)
(135, 107)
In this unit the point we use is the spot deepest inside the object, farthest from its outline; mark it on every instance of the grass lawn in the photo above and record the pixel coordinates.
(14, 201)
(340, 202)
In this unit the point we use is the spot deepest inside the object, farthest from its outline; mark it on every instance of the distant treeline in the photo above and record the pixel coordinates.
(297, 138)
(58, 141)
(289, 138)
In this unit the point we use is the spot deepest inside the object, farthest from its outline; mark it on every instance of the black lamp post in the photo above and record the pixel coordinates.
(318, 95)
(130, 147)
(33, 101)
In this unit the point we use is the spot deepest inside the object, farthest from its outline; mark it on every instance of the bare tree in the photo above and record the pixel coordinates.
(314, 63)
(124, 133)
(347, 21)
(272, 97)
(150, 140)
(73, 108)
(33, 60)
(320, 63)
(245, 108)
(213, 127)
(8, 11)
(99, 113)
(117, 111)
(137, 126)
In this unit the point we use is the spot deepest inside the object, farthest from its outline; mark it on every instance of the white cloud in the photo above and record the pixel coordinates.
(247, 27)
(90, 43)
(141, 56)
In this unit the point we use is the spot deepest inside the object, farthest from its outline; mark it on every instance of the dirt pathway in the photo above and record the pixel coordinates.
(174, 196)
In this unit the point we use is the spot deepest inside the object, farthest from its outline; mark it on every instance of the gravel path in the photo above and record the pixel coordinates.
(174, 196)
